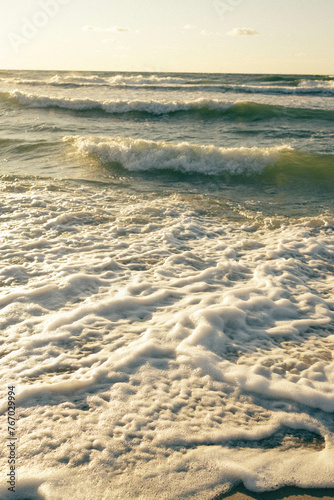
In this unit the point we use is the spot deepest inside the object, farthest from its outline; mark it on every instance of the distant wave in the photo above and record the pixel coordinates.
(280, 163)
(93, 80)
(122, 79)
(199, 107)
(260, 84)
(303, 87)
(324, 84)
(22, 81)
(292, 79)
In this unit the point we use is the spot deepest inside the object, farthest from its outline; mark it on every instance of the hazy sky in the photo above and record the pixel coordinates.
(257, 36)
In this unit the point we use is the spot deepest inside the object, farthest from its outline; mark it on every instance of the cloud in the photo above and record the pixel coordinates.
(243, 32)
(112, 29)
(206, 33)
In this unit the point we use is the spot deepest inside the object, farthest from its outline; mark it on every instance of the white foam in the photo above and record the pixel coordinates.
(156, 349)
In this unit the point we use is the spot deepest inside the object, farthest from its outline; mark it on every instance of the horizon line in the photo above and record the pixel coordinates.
(168, 72)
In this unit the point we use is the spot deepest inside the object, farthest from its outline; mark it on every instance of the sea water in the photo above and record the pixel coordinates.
(166, 272)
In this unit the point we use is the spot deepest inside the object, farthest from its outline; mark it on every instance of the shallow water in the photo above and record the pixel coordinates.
(166, 247)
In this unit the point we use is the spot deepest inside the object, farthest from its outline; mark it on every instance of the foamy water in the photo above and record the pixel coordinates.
(166, 287)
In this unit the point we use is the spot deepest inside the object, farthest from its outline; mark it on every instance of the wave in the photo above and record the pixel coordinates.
(145, 80)
(21, 81)
(27, 149)
(279, 163)
(325, 84)
(292, 79)
(277, 78)
(304, 87)
(256, 84)
(142, 155)
(117, 106)
(56, 81)
(198, 107)
(119, 80)
(76, 79)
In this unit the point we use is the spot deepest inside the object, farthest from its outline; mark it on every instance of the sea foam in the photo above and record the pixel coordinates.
(154, 343)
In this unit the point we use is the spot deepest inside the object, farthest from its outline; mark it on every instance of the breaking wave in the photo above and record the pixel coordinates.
(282, 163)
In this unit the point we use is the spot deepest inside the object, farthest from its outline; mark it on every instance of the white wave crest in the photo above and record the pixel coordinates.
(77, 79)
(116, 80)
(146, 80)
(143, 155)
(119, 106)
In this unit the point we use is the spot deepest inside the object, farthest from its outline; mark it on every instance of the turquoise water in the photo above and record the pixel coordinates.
(166, 300)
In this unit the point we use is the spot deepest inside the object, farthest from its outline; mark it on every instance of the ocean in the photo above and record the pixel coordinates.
(166, 272)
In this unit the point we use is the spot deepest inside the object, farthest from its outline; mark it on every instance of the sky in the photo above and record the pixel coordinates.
(218, 36)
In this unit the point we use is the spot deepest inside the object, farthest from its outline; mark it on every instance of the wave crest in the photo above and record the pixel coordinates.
(199, 107)
(118, 106)
(143, 155)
